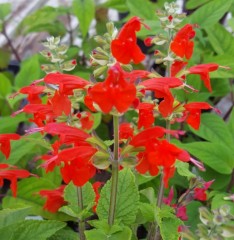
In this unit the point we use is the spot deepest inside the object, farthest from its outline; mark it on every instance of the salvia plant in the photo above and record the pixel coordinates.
(65, 110)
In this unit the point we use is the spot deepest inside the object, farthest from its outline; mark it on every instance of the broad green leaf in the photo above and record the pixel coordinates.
(5, 85)
(145, 214)
(70, 194)
(221, 40)
(97, 120)
(44, 19)
(11, 216)
(142, 8)
(183, 169)
(28, 195)
(29, 71)
(231, 23)
(5, 9)
(220, 87)
(167, 219)
(34, 229)
(85, 12)
(216, 155)
(218, 201)
(210, 13)
(59, 235)
(127, 198)
(193, 214)
(119, 5)
(214, 129)
(231, 124)
(99, 234)
(5, 56)
(191, 4)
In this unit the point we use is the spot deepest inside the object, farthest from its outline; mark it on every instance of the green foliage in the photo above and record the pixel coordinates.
(191, 4)
(183, 170)
(44, 19)
(29, 71)
(166, 219)
(5, 9)
(105, 232)
(5, 57)
(59, 235)
(119, 5)
(5, 86)
(210, 13)
(85, 12)
(127, 198)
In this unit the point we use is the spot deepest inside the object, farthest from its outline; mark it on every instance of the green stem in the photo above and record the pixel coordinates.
(80, 221)
(115, 172)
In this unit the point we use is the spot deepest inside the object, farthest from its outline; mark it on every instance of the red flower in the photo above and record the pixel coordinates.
(146, 116)
(194, 113)
(203, 70)
(5, 146)
(60, 104)
(12, 174)
(124, 48)
(176, 67)
(86, 120)
(181, 44)
(125, 131)
(67, 83)
(114, 92)
(161, 88)
(200, 193)
(54, 199)
(33, 91)
(157, 153)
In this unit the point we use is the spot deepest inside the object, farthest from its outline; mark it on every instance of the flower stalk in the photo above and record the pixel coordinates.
(115, 172)
(81, 223)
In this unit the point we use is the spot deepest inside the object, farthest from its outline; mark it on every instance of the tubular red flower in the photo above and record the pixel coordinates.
(124, 48)
(161, 88)
(67, 83)
(5, 146)
(181, 44)
(194, 113)
(203, 70)
(114, 92)
(33, 91)
(146, 117)
(125, 131)
(12, 174)
(54, 199)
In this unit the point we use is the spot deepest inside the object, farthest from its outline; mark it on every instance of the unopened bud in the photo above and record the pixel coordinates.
(205, 215)
(99, 71)
(110, 28)
(69, 65)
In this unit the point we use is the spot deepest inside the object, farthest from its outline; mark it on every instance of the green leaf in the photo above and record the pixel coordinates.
(127, 198)
(97, 120)
(183, 169)
(5, 85)
(5, 9)
(98, 234)
(221, 40)
(59, 235)
(29, 71)
(214, 129)
(231, 124)
(146, 213)
(193, 214)
(44, 19)
(216, 155)
(119, 5)
(85, 12)
(210, 13)
(191, 4)
(70, 194)
(220, 87)
(5, 56)
(167, 219)
(28, 195)
(11, 216)
(142, 8)
(34, 229)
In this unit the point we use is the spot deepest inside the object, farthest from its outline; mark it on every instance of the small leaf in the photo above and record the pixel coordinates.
(85, 12)
(5, 9)
(210, 13)
(5, 56)
(183, 170)
(127, 198)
